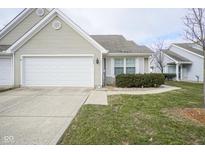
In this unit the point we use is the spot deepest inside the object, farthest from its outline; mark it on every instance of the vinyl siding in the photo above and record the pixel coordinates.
(62, 41)
(22, 28)
(196, 68)
(140, 65)
(146, 65)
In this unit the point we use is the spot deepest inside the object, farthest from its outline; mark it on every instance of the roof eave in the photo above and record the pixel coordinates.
(129, 54)
(180, 62)
(184, 62)
(3, 53)
(186, 50)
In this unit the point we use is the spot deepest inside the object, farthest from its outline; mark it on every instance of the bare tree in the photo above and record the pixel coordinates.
(158, 56)
(195, 32)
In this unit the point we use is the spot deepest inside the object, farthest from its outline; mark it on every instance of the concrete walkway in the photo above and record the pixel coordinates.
(97, 97)
(141, 91)
(38, 115)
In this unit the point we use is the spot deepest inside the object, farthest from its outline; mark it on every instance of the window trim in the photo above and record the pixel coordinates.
(118, 66)
(132, 68)
(129, 66)
(125, 64)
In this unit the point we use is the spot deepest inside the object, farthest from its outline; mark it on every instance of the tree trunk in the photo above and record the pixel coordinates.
(204, 79)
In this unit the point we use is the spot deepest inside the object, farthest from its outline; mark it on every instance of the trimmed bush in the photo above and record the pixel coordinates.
(169, 76)
(139, 80)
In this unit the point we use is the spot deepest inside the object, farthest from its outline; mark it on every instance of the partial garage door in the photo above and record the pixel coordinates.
(5, 71)
(58, 71)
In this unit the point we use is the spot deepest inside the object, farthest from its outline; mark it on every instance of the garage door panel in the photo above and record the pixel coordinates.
(5, 71)
(68, 71)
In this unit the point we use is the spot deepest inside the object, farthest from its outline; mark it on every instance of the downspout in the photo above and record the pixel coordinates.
(102, 69)
(177, 71)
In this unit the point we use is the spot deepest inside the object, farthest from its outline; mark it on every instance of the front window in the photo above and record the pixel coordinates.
(119, 66)
(130, 65)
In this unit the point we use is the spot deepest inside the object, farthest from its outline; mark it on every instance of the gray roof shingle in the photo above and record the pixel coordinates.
(118, 44)
(4, 47)
(176, 56)
(113, 43)
(188, 46)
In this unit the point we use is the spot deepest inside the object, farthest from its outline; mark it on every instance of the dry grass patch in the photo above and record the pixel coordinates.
(194, 114)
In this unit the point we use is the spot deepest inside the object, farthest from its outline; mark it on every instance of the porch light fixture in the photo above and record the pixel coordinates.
(97, 61)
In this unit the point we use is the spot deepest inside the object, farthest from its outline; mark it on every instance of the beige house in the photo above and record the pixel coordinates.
(43, 47)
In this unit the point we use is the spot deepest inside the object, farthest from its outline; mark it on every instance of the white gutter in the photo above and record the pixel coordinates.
(129, 54)
(177, 62)
(171, 58)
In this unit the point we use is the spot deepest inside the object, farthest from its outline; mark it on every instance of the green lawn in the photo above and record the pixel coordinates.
(130, 119)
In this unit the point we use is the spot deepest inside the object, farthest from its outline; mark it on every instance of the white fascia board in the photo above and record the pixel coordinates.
(187, 51)
(81, 31)
(171, 58)
(182, 62)
(49, 9)
(19, 18)
(46, 20)
(177, 62)
(129, 54)
(57, 55)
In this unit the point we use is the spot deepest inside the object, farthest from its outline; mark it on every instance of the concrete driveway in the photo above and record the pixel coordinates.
(38, 115)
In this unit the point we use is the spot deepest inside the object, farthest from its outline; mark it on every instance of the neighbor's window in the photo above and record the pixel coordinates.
(119, 65)
(130, 65)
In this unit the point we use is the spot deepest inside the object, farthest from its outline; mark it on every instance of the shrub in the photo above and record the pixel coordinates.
(139, 80)
(169, 76)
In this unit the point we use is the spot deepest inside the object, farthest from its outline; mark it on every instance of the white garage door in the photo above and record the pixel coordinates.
(5, 71)
(58, 71)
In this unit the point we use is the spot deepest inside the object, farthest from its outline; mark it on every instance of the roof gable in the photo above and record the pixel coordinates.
(187, 47)
(176, 57)
(44, 22)
(21, 24)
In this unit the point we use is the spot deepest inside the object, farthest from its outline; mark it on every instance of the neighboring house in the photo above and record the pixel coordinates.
(185, 60)
(43, 47)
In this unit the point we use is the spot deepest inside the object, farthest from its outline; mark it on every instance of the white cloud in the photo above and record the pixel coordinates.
(144, 26)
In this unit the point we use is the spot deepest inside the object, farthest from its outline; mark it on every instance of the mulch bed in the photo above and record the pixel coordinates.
(193, 114)
(197, 114)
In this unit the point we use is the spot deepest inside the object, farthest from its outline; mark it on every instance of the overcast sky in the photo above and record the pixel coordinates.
(144, 26)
